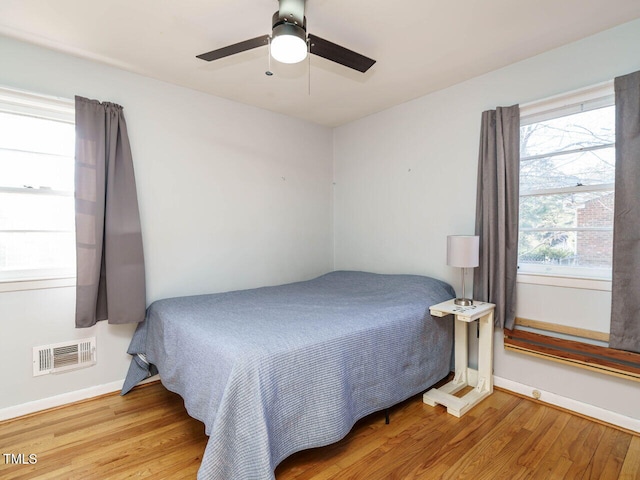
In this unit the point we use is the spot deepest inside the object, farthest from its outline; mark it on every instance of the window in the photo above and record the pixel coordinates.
(37, 142)
(567, 180)
(567, 173)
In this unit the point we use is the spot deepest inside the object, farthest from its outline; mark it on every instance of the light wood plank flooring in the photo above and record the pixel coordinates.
(148, 434)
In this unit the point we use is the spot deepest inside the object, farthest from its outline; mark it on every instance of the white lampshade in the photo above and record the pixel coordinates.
(288, 48)
(463, 251)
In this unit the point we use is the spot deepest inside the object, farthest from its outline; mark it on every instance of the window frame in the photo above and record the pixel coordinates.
(20, 102)
(591, 98)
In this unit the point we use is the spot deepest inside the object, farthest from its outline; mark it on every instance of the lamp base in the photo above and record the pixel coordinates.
(465, 302)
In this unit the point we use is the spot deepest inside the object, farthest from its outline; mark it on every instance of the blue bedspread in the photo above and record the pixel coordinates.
(275, 370)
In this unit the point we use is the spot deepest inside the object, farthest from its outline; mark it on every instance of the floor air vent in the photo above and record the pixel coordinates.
(62, 357)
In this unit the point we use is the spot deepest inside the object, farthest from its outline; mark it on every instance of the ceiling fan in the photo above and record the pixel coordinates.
(290, 43)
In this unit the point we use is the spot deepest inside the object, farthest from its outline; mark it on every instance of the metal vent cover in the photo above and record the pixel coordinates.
(61, 357)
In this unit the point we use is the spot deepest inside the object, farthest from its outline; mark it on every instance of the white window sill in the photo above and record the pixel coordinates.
(564, 281)
(39, 284)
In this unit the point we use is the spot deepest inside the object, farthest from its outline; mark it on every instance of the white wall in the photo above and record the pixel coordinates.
(222, 206)
(405, 178)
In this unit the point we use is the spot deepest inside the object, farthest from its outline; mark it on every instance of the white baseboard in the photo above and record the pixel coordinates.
(592, 411)
(63, 399)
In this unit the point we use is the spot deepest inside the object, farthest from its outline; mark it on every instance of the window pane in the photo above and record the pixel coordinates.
(593, 167)
(594, 127)
(34, 211)
(591, 247)
(19, 132)
(19, 169)
(567, 210)
(35, 251)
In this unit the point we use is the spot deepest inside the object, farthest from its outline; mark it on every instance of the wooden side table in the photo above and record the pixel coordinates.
(481, 379)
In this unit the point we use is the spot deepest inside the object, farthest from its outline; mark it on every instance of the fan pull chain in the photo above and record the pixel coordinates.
(309, 67)
(269, 73)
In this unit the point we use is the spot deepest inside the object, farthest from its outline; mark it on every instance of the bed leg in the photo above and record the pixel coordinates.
(386, 416)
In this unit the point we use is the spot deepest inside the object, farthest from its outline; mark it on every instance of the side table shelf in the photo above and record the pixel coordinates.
(481, 379)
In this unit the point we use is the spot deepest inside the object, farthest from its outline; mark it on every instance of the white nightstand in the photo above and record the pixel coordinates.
(481, 379)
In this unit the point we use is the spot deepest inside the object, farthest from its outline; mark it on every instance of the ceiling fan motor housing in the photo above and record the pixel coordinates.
(286, 26)
(291, 11)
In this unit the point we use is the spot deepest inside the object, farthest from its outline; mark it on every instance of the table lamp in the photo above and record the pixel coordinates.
(463, 251)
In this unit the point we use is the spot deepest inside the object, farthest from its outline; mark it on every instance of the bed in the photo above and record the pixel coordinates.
(275, 370)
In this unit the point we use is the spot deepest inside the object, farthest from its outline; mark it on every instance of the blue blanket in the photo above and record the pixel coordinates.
(275, 370)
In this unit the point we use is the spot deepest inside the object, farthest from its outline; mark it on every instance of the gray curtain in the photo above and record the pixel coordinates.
(497, 212)
(625, 288)
(110, 262)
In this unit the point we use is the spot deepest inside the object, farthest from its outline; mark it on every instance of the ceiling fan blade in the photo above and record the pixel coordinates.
(336, 53)
(235, 48)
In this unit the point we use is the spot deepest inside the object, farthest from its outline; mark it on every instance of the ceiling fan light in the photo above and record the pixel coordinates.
(288, 44)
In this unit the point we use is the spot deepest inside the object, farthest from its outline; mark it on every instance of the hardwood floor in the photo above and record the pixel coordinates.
(148, 434)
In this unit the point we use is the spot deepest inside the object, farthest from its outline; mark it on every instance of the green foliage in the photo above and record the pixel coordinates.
(553, 253)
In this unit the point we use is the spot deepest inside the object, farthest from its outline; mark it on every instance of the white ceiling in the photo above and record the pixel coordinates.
(420, 45)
